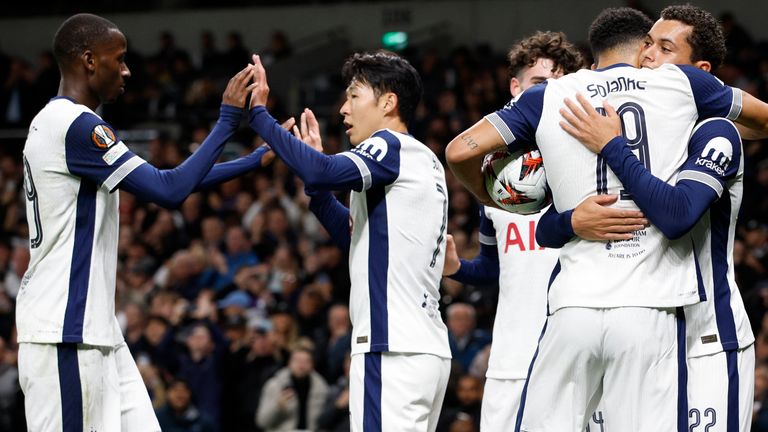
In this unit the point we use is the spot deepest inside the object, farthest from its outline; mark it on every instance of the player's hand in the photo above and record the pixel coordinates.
(593, 220)
(308, 130)
(583, 122)
(259, 89)
(452, 263)
(238, 87)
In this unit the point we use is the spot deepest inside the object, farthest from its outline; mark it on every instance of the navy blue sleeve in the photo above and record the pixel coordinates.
(169, 188)
(714, 154)
(676, 209)
(332, 215)
(94, 152)
(554, 229)
(317, 170)
(517, 123)
(713, 98)
(225, 171)
(377, 158)
(484, 268)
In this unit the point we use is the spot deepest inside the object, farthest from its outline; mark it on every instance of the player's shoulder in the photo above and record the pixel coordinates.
(716, 127)
(379, 145)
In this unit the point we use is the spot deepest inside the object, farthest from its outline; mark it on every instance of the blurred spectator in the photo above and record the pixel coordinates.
(11, 409)
(469, 395)
(245, 373)
(279, 48)
(464, 338)
(236, 56)
(293, 399)
(200, 366)
(16, 269)
(335, 416)
(180, 414)
(335, 346)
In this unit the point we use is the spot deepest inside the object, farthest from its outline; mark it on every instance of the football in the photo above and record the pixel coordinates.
(516, 181)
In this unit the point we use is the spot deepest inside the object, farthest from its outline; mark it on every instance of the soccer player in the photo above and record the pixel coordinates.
(394, 231)
(74, 367)
(510, 256)
(719, 338)
(612, 326)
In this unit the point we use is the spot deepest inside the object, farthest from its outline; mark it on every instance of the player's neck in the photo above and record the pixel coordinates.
(77, 91)
(395, 124)
(610, 58)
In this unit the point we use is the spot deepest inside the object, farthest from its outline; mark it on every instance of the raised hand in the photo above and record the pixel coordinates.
(238, 87)
(451, 263)
(583, 122)
(260, 88)
(309, 130)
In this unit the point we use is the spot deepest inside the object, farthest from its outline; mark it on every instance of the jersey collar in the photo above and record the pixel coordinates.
(63, 97)
(614, 66)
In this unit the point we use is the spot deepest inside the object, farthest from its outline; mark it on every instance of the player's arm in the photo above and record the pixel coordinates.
(592, 219)
(512, 126)
(332, 215)
(317, 170)
(169, 188)
(481, 270)
(753, 119)
(465, 154)
(226, 171)
(673, 209)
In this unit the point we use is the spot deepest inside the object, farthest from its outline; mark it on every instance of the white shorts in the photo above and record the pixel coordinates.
(73, 387)
(624, 358)
(396, 392)
(501, 401)
(720, 391)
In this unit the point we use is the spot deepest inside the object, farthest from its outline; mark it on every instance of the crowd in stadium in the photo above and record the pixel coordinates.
(240, 293)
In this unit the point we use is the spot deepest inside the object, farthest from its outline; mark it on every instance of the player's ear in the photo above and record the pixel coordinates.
(703, 65)
(514, 87)
(389, 102)
(89, 60)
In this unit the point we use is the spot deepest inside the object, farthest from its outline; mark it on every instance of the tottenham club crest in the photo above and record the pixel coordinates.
(103, 137)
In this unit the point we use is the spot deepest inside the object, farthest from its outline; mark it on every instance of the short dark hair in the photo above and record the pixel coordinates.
(79, 33)
(549, 45)
(615, 27)
(706, 39)
(386, 72)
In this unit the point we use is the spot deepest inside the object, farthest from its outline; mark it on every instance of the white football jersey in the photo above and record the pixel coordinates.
(524, 272)
(659, 109)
(72, 163)
(721, 322)
(398, 229)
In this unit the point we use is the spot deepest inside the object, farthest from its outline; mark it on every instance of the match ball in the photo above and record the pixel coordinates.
(516, 181)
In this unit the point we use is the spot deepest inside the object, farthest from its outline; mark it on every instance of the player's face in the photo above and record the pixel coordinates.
(667, 43)
(110, 70)
(363, 112)
(536, 74)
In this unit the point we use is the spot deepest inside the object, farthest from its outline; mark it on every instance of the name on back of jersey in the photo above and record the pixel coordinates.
(620, 84)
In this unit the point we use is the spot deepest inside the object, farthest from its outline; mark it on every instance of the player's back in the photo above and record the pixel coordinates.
(524, 271)
(658, 110)
(67, 293)
(397, 253)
